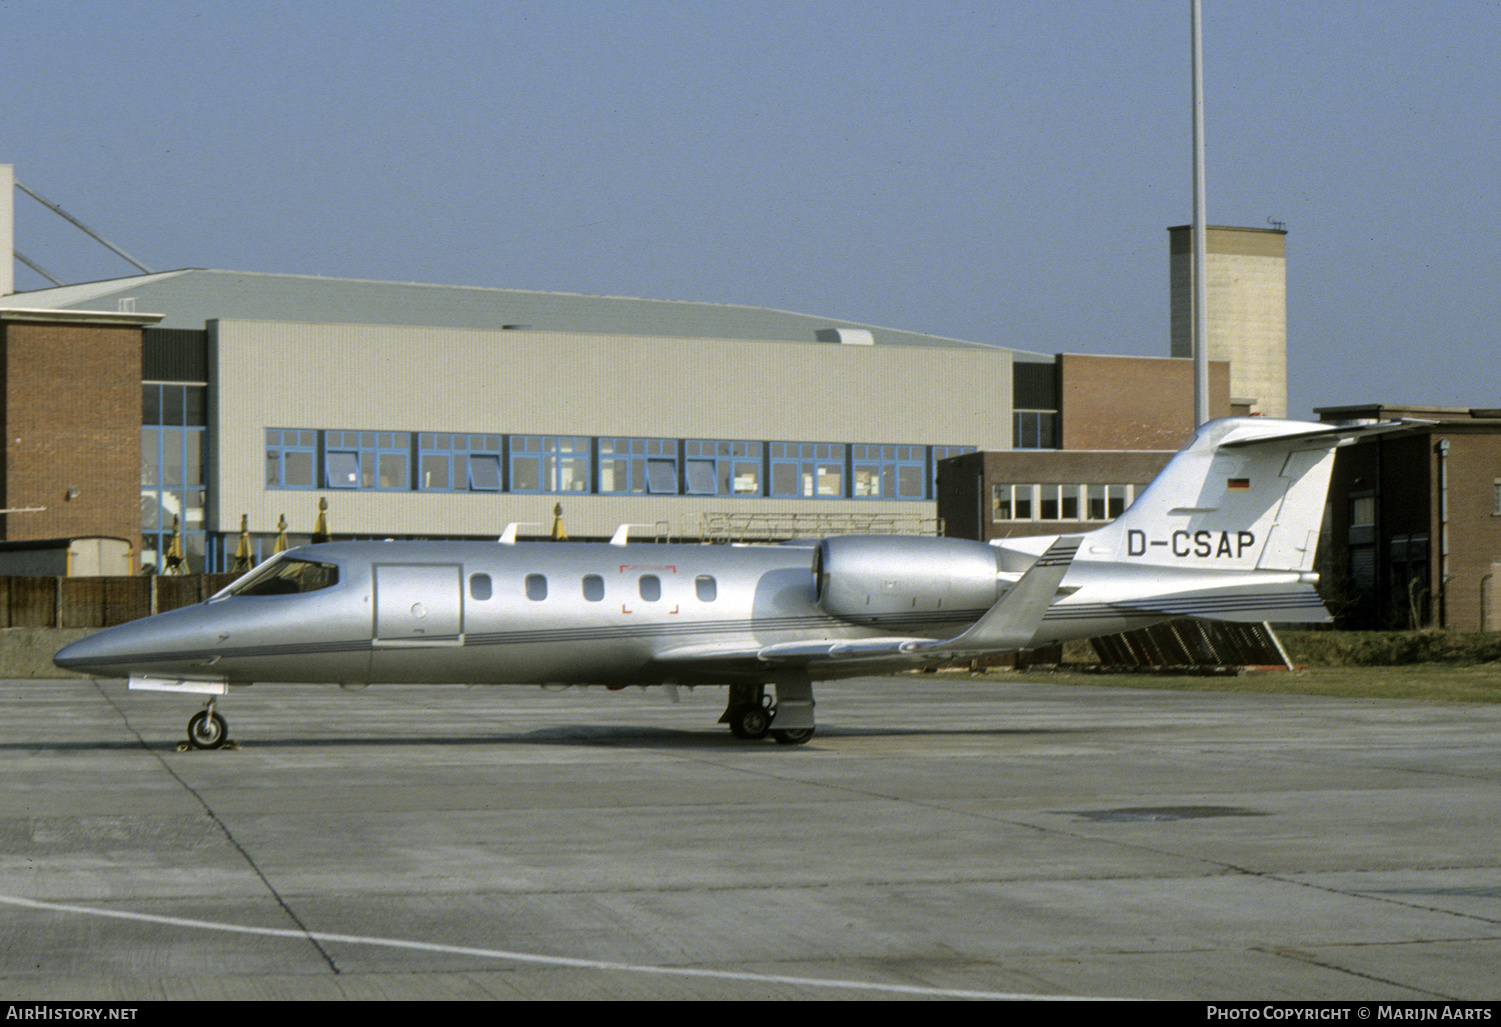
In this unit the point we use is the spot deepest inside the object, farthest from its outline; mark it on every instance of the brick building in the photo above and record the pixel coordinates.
(1109, 425)
(70, 385)
(1413, 532)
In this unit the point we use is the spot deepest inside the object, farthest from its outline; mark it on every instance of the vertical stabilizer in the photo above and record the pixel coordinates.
(1244, 494)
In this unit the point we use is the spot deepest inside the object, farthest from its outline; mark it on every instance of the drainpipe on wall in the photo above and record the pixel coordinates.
(1443, 533)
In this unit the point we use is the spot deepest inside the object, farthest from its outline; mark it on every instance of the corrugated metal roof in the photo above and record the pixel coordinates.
(191, 297)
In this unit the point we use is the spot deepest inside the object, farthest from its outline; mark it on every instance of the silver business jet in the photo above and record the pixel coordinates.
(1227, 531)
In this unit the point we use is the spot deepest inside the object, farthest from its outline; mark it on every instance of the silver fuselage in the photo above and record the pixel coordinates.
(466, 612)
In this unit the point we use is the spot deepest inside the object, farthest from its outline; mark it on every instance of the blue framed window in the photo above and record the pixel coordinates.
(638, 466)
(721, 468)
(458, 462)
(807, 470)
(888, 472)
(549, 463)
(367, 460)
(173, 444)
(291, 458)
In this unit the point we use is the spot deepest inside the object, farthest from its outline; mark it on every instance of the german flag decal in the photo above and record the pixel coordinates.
(1238, 485)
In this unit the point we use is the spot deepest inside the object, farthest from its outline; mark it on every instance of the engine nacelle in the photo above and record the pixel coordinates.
(862, 577)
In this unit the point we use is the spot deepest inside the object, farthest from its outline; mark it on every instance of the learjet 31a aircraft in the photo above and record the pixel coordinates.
(1227, 531)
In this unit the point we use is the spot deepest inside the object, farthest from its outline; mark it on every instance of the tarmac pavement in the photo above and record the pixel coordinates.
(941, 837)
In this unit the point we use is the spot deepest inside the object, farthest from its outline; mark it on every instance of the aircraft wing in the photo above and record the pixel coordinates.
(1009, 625)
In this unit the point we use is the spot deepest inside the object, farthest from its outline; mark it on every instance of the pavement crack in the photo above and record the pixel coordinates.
(223, 828)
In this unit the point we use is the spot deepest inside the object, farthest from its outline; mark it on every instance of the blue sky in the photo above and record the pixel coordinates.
(1001, 172)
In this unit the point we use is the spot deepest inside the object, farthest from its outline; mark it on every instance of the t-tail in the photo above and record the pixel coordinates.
(1244, 494)
(1229, 529)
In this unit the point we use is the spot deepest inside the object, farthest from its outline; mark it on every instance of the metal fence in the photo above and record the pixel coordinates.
(717, 526)
(99, 602)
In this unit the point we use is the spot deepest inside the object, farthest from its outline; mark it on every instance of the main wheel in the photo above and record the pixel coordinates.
(207, 730)
(750, 722)
(793, 735)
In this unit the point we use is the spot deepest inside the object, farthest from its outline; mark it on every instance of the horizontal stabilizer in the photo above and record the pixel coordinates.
(1325, 438)
(1280, 603)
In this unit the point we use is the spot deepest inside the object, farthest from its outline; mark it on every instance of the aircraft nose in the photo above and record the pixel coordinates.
(97, 653)
(114, 652)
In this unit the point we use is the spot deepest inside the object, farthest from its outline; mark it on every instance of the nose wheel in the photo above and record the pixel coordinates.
(207, 730)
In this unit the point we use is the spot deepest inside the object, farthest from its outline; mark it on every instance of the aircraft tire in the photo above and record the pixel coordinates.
(793, 735)
(207, 730)
(750, 722)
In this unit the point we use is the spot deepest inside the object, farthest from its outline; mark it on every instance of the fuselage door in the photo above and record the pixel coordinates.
(419, 603)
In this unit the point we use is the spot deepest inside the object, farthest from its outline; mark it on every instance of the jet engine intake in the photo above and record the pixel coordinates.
(862, 578)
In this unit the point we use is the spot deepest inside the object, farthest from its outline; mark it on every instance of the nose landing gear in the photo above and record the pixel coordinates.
(206, 730)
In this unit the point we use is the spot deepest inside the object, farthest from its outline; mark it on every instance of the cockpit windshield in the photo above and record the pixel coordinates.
(286, 577)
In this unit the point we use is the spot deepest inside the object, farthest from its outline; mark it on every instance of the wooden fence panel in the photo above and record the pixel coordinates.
(82, 602)
(33, 602)
(36, 602)
(105, 601)
(176, 591)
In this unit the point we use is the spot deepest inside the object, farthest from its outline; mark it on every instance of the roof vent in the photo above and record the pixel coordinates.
(846, 336)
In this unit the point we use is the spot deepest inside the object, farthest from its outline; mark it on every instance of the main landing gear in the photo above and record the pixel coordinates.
(751, 713)
(206, 729)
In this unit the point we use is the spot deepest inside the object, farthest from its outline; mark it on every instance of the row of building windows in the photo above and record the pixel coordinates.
(1061, 502)
(592, 587)
(300, 458)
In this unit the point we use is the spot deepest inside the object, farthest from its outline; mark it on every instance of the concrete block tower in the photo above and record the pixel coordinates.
(1247, 272)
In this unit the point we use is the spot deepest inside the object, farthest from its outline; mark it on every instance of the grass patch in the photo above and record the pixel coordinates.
(1423, 666)
(1391, 648)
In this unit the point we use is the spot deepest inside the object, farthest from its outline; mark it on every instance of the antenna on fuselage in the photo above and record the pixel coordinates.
(508, 537)
(623, 533)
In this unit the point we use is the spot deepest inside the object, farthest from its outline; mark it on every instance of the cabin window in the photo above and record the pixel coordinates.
(536, 587)
(651, 587)
(480, 586)
(287, 577)
(594, 587)
(706, 587)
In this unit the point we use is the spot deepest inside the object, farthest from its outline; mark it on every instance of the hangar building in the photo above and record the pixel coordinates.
(208, 400)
